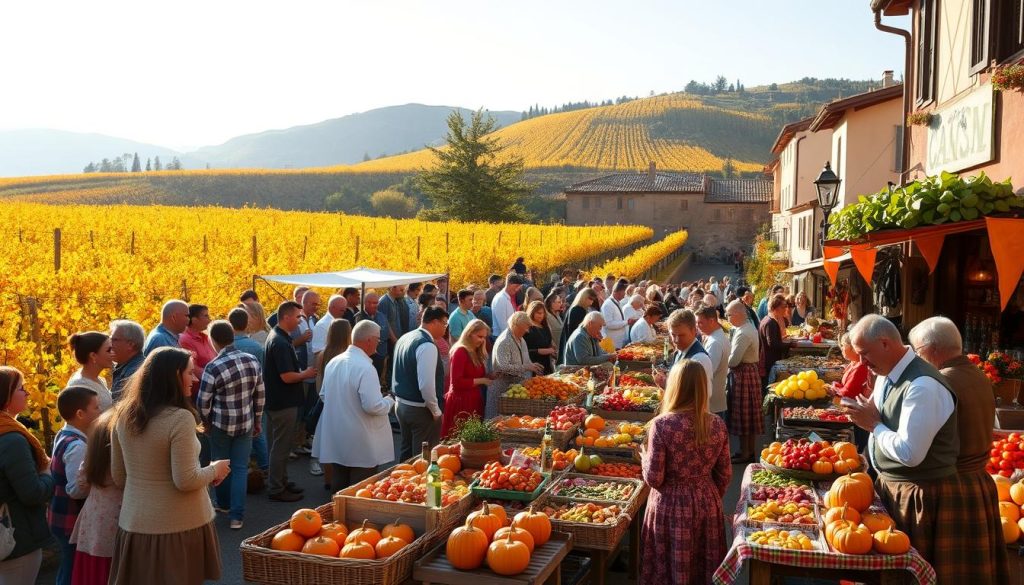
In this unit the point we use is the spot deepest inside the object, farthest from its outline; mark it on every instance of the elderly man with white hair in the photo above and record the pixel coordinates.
(126, 341)
(337, 306)
(173, 322)
(354, 423)
(634, 310)
(937, 340)
(584, 347)
(914, 445)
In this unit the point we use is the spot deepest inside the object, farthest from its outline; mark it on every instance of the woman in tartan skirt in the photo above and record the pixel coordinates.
(745, 418)
(686, 463)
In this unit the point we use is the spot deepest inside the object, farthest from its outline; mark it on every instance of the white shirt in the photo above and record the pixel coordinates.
(927, 401)
(106, 398)
(717, 346)
(502, 308)
(630, 313)
(615, 325)
(319, 341)
(641, 332)
(354, 428)
(745, 345)
(426, 369)
(304, 326)
(705, 361)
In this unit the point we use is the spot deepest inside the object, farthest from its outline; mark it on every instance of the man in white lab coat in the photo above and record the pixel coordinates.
(616, 326)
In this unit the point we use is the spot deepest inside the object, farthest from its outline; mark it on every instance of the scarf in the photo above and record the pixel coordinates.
(9, 424)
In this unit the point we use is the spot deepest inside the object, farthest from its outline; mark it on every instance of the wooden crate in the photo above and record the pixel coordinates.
(544, 562)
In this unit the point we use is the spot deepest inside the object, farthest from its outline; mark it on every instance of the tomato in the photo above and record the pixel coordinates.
(1011, 446)
(994, 453)
(1007, 456)
(1014, 437)
(1005, 465)
(1005, 473)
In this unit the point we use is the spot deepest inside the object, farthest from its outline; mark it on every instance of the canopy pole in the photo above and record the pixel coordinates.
(279, 293)
(362, 296)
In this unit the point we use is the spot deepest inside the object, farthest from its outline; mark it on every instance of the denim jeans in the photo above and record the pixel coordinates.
(67, 559)
(231, 492)
(260, 451)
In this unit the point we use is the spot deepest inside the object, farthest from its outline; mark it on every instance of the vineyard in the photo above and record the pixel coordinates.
(125, 261)
(644, 259)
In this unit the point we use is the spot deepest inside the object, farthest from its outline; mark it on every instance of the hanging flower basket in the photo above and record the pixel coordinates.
(1009, 77)
(919, 119)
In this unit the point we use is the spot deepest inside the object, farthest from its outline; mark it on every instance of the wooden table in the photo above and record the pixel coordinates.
(601, 557)
(543, 568)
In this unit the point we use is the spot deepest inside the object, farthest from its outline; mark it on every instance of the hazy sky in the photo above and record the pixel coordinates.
(189, 73)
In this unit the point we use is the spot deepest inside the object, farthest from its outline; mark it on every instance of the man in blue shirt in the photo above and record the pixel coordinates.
(461, 316)
(762, 308)
(239, 319)
(173, 322)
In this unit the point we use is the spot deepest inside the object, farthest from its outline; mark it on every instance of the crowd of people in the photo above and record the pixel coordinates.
(199, 408)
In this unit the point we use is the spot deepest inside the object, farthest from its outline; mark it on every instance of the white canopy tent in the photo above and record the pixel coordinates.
(361, 277)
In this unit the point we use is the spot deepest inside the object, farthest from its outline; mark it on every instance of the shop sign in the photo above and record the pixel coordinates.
(960, 135)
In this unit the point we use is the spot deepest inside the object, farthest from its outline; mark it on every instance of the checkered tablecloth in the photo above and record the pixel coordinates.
(741, 551)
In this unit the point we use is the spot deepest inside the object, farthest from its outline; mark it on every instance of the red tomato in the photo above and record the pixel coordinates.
(1005, 465)
(1014, 437)
(1007, 456)
(1011, 447)
(1005, 473)
(995, 460)
(994, 453)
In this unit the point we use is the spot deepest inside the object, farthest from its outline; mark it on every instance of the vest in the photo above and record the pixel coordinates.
(405, 381)
(63, 510)
(945, 448)
(696, 348)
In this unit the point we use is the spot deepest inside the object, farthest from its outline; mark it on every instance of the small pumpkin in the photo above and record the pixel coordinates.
(1011, 530)
(287, 539)
(364, 533)
(485, 520)
(466, 547)
(519, 534)
(499, 512)
(451, 462)
(1003, 485)
(507, 556)
(864, 479)
(877, 521)
(821, 467)
(891, 542)
(536, 523)
(335, 531)
(840, 466)
(852, 540)
(845, 450)
(397, 529)
(853, 492)
(358, 549)
(388, 546)
(322, 546)
(843, 512)
(306, 522)
(1016, 493)
(834, 526)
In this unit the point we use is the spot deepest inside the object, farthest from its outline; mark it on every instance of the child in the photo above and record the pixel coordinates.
(96, 528)
(79, 407)
(857, 381)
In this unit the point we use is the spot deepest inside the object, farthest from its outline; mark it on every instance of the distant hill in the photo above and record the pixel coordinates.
(46, 152)
(340, 141)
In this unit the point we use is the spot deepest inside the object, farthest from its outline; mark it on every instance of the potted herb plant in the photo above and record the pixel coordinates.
(479, 441)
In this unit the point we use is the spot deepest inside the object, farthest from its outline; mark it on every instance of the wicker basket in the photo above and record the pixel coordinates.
(444, 518)
(605, 537)
(532, 407)
(261, 564)
(560, 439)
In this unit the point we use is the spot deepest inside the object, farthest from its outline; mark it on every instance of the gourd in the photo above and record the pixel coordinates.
(397, 529)
(321, 545)
(853, 492)
(358, 549)
(364, 534)
(486, 521)
(852, 540)
(877, 521)
(388, 546)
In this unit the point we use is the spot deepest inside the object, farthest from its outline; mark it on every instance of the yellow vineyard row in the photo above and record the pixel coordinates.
(642, 259)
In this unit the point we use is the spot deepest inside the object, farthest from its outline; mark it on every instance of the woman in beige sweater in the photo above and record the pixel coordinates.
(165, 531)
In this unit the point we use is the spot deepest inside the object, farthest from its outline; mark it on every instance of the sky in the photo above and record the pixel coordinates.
(189, 73)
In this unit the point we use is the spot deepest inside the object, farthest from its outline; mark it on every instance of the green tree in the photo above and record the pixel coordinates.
(136, 166)
(149, 164)
(728, 169)
(471, 182)
(391, 203)
(348, 201)
(156, 164)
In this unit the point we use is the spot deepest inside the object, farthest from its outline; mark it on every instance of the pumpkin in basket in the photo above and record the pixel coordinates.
(485, 520)
(306, 522)
(508, 556)
(388, 546)
(851, 491)
(399, 530)
(358, 550)
(451, 462)
(364, 533)
(287, 539)
(877, 521)
(322, 546)
(852, 540)
(335, 531)
(466, 547)
(518, 534)
(891, 542)
(536, 523)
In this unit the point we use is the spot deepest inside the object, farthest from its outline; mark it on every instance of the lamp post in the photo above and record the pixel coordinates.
(827, 185)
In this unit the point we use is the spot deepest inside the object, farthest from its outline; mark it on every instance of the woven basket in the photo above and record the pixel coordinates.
(630, 505)
(588, 536)
(529, 406)
(261, 564)
(560, 439)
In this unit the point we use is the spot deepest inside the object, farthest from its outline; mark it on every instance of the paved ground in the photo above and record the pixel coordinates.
(703, 271)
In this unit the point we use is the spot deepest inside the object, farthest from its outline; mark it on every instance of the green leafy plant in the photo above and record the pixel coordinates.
(474, 430)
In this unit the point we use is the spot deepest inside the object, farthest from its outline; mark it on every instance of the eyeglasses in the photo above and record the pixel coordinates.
(918, 348)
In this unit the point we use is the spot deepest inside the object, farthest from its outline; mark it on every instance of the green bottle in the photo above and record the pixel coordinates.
(433, 481)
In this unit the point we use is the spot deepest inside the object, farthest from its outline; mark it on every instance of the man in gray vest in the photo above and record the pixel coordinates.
(417, 381)
(914, 445)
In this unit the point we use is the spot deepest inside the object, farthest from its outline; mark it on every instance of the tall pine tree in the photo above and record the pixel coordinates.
(470, 181)
(136, 166)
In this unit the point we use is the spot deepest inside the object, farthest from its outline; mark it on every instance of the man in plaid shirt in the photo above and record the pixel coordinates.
(230, 402)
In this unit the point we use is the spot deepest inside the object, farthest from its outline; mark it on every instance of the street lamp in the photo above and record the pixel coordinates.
(827, 185)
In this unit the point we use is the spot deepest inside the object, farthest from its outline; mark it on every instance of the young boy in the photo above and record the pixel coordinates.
(79, 407)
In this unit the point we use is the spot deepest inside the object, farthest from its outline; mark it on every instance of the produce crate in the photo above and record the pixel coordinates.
(544, 562)
(560, 439)
(534, 407)
(809, 475)
(637, 486)
(487, 494)
(444, 518)
(634, 365)
(812, 532)
(759, 524)
(605, 536)
(261, 564)
(631, 505)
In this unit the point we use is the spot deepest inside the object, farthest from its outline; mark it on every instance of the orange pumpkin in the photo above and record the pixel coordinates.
(843, 512)
(1016, 493)
(486, 521)
(358, 550)
(388, 546)
(891, 542)
(853, 492)
(306, 522)
(405, 467)
(364, 533)
(507, 556)
(840, 466)
(1010, 511)
(499, 512)
(321, 545)
(287, 539)
(1003, 485)
(845, 450)
(821, 467)
(1011, 530)
(334, 531)
(834, 526)
(451, 462)
(397, 529)
(420, 465)
(852, 540)
(441, 450)
(519, 534)
(466, 547)
(364, 493)
(877, 521)
(536, 523)
(864, 479)
(595, 422)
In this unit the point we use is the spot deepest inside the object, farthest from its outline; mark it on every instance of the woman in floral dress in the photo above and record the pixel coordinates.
(686, 463)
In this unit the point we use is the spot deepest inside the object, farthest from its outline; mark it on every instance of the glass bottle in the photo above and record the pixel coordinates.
(433, 482)
(545, 448)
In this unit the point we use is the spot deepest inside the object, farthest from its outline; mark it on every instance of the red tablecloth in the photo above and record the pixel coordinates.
(740, 551)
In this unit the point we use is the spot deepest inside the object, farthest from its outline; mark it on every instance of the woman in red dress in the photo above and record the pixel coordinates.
(686, 463)
(467, 375)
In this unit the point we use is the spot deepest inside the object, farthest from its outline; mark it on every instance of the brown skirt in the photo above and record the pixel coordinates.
(982, 536)
(179, 558)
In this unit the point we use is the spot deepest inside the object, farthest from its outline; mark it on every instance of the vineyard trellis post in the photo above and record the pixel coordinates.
(254, 256)
(357, 250)
(305, 243)
(56, 249)
(131, 249)
(446, 234)
(205, 246)
(33, 314)
(417, 247)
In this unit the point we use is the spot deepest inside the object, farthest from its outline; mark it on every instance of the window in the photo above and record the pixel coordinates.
(897, 150)
(997, 32)
(631, 203)
(586, 203)
(1010, 29)
(684, 205)
(980, 40)
(927, 21)
(620, 203)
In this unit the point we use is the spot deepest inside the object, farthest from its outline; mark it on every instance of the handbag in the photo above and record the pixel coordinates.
(6, 533)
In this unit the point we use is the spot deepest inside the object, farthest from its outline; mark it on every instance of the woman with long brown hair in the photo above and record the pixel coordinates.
(96, 527)
(467, 378)
(686, 463)
(165, 531)
(538, 338)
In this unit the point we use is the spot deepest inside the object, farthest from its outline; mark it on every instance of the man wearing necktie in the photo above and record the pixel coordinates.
(914, 445)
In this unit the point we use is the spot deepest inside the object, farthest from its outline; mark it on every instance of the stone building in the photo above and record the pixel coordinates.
(721, 215)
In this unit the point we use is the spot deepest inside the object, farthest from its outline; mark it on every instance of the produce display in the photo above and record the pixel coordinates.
(578, 487)
(783, 495)
(1006, 456)
(777, 538)
(308, 534)
(534, 423)
(584, 463)
(802, 386)
(930, 201)
(1011, 507)
(635, 379)
(641, 352)
(408, 483)
(629, 398)
(766, 477)
(787, 513)
(506, 550)
(627, 470)
(496, 476)
(624, 435)
(808, 413)
(543, 388)
(820, 457)
(559, 459)
(563, 418)
(588, 513)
